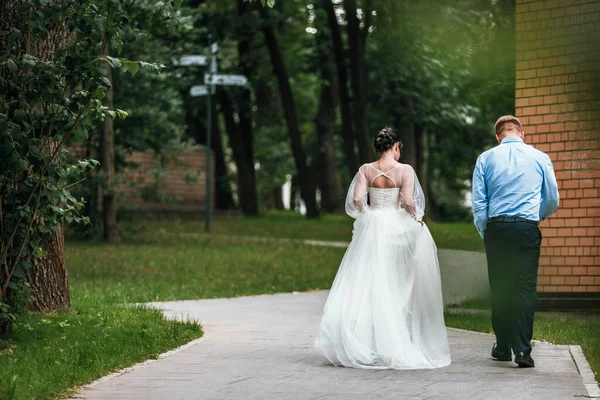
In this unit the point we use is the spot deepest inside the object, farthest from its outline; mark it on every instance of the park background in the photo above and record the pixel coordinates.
(86, 81)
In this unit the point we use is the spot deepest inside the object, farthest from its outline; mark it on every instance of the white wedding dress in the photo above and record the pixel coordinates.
(385, 307)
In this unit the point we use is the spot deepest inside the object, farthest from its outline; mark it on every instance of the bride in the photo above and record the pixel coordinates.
(385, 307)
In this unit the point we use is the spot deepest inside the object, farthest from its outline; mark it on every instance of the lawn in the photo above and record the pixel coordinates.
(288, 225)
(187, 267)
(558, 328)
(49, 354)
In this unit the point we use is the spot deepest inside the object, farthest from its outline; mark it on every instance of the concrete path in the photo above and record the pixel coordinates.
(261, 347)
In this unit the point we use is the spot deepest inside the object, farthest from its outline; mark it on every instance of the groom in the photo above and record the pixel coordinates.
(514, 188)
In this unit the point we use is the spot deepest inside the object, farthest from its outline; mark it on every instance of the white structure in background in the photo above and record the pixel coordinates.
(468, 196)
(299, 204)
(286, 197)
(286, 192)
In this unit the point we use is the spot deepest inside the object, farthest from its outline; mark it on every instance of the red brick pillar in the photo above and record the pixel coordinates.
(558, 102)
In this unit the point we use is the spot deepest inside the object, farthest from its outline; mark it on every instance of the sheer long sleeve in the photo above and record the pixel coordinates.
(356, 200)
(412, 197)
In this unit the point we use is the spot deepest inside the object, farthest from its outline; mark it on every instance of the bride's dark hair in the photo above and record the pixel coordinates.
(385, 139)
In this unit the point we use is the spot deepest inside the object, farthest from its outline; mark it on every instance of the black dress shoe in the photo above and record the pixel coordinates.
(499, 355)
(524, 360)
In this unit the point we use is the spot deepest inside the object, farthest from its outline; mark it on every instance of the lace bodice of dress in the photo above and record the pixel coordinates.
(384, 199)
(406, 194)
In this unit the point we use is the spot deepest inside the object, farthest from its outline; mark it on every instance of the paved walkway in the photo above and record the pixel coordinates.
(260, 347)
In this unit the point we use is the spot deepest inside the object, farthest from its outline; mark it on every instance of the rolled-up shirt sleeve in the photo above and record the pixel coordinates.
(480, 197)
(549, 195)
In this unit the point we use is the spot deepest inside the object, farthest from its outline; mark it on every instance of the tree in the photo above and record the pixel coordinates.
(248, 64)
(109, 192)
(441, 72)
(357, 39)
(305, 173)
(342, 85)
(245, 168)
(52, 83)
(331, 188)
(233, 27)
(32, 247)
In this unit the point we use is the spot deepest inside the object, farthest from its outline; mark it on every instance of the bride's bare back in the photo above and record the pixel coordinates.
(384, 177)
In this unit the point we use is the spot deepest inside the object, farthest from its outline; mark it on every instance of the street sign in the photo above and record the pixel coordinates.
(199, 90)
(211, 80)
(230, 80)
(190, 60)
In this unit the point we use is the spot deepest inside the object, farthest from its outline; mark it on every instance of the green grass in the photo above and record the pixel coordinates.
(50, 354)
(558, 328)
(175, 267)
(288, 225)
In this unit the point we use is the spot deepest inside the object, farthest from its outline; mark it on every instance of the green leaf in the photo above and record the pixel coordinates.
(20, 114)
(122, 114)
(12, 65)
(151, 67)
(41, 253)
(130, 66)
(106, 81)
(114, 62)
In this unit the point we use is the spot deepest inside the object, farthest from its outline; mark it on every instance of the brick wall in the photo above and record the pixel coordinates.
(182, 188)
(558, 59)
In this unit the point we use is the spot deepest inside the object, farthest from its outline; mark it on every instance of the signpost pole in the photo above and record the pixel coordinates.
(208, 138)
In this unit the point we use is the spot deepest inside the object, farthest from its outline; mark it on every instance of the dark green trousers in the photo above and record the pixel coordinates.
(513, 254)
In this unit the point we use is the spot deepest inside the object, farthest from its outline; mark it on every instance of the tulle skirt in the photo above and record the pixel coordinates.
(385, 307)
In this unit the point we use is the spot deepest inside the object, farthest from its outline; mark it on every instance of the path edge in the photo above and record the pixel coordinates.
(129, 369)
(585, 371)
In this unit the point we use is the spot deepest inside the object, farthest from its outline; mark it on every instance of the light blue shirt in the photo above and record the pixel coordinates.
(514, 180)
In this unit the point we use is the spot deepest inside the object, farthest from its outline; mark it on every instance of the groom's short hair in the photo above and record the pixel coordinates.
(503, 120)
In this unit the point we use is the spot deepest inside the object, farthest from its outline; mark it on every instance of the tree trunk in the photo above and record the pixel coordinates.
(277, 199)
(248, 64)
(247, 191)
(422, 170)
(408, 135)
(109, 194)
(422, 155)
(357, 39)
(49, 278)
(409, 149)
(332, 196)
(224, 197)
(241, 135)
(92, 208)
(307, 181)
(344, 96)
